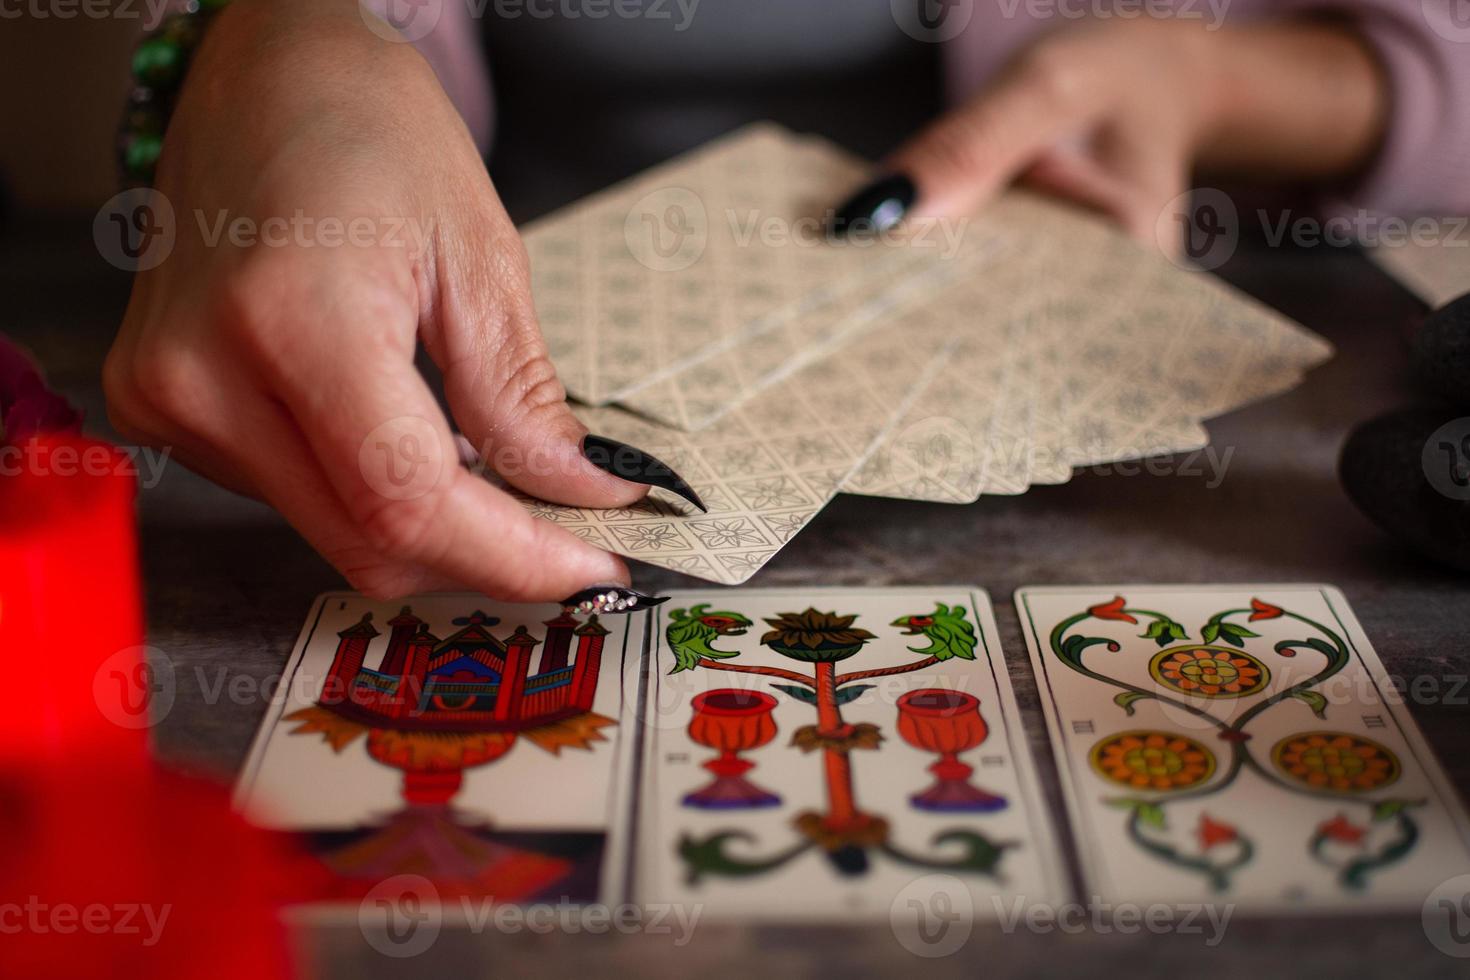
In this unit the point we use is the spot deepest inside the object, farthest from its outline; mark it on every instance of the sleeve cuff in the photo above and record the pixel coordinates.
(1419, 166)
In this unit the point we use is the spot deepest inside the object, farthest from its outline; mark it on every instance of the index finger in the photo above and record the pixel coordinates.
(963, 158)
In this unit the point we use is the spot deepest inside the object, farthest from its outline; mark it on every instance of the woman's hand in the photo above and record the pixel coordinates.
(1116, 115)
(332, 211)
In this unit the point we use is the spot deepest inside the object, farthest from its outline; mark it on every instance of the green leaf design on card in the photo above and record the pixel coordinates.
(1126, 699)
(802, 694)
(1314, 700)
(1151, 814)
(1164, 631)
(1236, 634)
(1388, 809)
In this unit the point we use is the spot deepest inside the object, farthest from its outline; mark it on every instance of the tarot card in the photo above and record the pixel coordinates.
(1436, 271)
(811, 754)
(967, 432)
(1052, 336)
(764, 470)
(1152, 349)
(476, 743)
(1237, 743)
(705, 389)
(1121, 355)
(1218, 351)
(679, 263)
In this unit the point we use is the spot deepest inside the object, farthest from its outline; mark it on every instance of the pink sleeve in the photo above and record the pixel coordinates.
(446, 34)
(1425, 51)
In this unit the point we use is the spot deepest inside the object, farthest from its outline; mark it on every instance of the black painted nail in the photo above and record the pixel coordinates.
(633, 464)
(605, 599)
(877, 207)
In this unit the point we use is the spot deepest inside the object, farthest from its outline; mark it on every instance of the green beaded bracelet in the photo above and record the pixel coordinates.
(159, 64)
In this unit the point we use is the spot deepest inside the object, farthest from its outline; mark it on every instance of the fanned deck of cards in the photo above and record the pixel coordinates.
(701, 312)
(1437, 270)
(847, 754)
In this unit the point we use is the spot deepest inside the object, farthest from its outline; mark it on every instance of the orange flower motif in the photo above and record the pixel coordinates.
(1339, 829)
(1214, 672)
(1152, 760)
(1213, 832)
(1336, 761)
(1263, 610)
(1112, 610)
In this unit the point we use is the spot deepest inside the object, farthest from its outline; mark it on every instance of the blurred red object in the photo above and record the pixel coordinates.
(117, 873)
(111, 866)
(27, 404)
(71, 609)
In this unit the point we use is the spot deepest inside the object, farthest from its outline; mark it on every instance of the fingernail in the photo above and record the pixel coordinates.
(630, 463)
(610, 599)
(468, 455)
(877, 207)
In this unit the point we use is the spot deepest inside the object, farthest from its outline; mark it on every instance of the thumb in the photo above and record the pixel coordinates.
(514, 413)
(507, 400)
(962, 159)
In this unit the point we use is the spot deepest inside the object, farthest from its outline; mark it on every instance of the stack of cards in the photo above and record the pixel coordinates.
(854, 754)
(702, 312)
(1435, 268)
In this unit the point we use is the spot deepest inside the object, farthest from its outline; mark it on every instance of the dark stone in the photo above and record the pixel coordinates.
(1383, 470)
(1441, 353)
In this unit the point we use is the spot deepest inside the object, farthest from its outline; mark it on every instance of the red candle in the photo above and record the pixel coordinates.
(71, 622)
(116, 867)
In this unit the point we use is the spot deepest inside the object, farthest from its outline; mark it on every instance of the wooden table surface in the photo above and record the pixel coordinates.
(229, 583)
